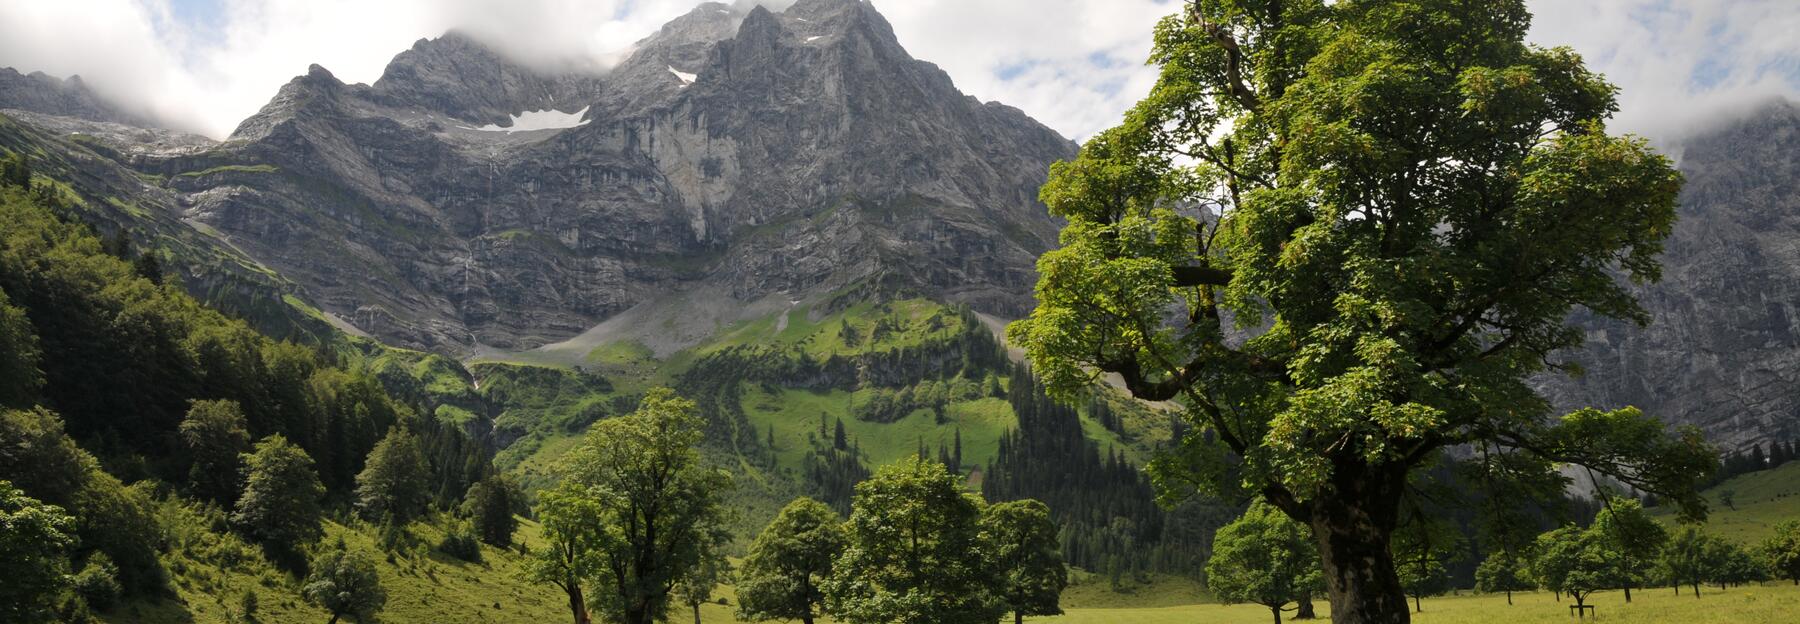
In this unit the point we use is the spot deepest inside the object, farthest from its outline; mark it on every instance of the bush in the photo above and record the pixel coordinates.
(249, 605)
(98, 582)
(460, 542)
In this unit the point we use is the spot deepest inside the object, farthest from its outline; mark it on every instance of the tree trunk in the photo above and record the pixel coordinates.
(1696, 589)
(1352, 524)
(1509, 597)
(1627, 592)
(1417, 608)
(577, 605)
(1277, 611)
(696, 613)
(1018, 617)
(333, 620)
(807, 618)
(1305, 609)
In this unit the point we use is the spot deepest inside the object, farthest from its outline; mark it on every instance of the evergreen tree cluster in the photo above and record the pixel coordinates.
(1106, 506)
(1739, 462)
(833, 467)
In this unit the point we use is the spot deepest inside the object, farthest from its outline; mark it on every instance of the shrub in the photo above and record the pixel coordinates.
(98, 582)
(460, 542)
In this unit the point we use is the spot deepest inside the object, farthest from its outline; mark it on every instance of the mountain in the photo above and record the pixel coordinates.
(40, 93)
(465, 203)
(1723, 349)
(739, 165)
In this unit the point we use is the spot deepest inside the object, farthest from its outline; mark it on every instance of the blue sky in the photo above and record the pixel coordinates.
(1076, 65)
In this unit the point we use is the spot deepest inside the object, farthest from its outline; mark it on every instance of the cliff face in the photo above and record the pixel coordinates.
(464, 201)
(1723, 350)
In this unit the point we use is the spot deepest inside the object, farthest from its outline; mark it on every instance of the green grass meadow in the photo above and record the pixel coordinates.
(1760, 501)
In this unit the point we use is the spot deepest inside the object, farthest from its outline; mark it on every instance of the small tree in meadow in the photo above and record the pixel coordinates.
(1264, 558)
(789, 562)
(1782, 550)
(1502, 572)
(345, 584)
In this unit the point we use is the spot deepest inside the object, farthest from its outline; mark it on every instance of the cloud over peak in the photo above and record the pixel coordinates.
(1076, 65)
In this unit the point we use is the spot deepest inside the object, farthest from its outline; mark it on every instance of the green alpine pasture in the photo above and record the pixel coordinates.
(1759, 501)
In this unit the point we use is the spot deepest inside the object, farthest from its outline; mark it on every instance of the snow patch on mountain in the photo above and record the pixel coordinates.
(550, 119)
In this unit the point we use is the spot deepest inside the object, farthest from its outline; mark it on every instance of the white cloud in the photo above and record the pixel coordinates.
(1681, 65)
(1076, 65)
(208, 78)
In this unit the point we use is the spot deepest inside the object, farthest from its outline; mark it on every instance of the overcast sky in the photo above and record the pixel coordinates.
(1076, 65)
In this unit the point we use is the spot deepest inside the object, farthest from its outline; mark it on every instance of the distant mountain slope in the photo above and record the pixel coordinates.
(40, 93)
(1723, 349)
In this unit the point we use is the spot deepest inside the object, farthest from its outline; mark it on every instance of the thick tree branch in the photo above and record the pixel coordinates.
(1186, 276)
(1234, 60)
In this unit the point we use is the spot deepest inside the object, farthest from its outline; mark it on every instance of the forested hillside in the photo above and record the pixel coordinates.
(114, 375)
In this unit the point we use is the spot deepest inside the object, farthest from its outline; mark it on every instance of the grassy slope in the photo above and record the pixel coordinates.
(794, 413)
(1771, 604)
(212, 571)
(1762, 499)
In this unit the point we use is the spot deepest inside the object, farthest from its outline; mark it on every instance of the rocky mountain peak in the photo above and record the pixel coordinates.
(42, 93)
(732, 158)
(457, 76)
(317, 90)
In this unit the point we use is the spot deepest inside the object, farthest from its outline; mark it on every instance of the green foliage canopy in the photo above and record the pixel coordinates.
(789, 563)
(345, 583)
(655, 503)
(34, 542)
(490, 504)
(914, 552)
(1634, 535)
(392, 486)
(1264, 558)
(1502, 572)
(215, 434)
(1575, 561)
(1401, 203)
(1783, 550)
(1023, 546)
(280, 504)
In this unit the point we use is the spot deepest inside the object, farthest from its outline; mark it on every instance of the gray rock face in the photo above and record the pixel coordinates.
(1723, 350)
(40, 93)
(458, 77)
(744, 155)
